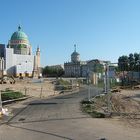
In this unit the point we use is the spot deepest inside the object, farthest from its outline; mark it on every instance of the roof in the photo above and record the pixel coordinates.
(75, 53)
(19, 35)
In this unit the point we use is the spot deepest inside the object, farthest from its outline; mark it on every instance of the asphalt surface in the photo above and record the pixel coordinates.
(59, 118)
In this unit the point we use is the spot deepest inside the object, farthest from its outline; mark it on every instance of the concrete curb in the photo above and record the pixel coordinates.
(24, 98)
(14, 100)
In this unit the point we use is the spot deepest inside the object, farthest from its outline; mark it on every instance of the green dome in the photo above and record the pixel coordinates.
(19, 35)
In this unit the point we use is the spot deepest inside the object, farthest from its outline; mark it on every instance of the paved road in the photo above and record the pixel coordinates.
(59, 118)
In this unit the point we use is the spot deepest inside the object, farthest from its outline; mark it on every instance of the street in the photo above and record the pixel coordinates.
(61, 118)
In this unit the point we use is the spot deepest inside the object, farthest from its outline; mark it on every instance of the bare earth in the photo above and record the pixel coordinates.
(128, 101)
(35, 89)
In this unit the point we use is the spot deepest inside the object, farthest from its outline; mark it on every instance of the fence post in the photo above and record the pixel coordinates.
(25, 91)
(72, 85)
(41, 92)
(0, 104)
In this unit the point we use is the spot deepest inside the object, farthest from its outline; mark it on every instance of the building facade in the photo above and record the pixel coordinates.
(91, 69)
(18, 57)
(74, 68)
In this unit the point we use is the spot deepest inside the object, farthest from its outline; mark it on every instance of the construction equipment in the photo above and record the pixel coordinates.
(5, 79)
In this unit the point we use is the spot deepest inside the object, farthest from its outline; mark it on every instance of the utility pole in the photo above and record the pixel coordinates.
(107, 86)
(2, 64)
(88, 84)
(106, 79)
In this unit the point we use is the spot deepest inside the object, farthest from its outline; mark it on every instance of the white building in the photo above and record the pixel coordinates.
(18, 57)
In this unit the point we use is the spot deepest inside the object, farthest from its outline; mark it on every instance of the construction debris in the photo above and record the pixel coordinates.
(5, 112)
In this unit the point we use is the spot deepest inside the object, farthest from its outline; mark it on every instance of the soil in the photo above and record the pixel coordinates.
(128, 101)
(124, 105)
(35, 89)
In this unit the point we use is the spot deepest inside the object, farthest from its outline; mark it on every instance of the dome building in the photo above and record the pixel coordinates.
(75, 56)
(20, 43)
(18, 58)
(74, 68)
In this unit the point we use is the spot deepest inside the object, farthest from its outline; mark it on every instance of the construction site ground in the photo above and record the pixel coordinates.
(114, 128)
(33, 88)
(124, 105)
(125, 101)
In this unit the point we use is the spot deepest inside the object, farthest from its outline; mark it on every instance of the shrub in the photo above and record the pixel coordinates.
(63, 85)
(10, 94)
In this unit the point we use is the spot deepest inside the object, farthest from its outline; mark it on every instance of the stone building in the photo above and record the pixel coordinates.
(91, 69)
(74, 68)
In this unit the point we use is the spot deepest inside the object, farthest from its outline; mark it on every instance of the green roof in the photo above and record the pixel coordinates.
(19, 35)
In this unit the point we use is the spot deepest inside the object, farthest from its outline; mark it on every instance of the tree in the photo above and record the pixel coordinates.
(137, 61)
(52, 71)
(123, 64)
(131, 62)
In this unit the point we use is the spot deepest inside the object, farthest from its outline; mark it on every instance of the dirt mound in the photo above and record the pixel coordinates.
(124, 104)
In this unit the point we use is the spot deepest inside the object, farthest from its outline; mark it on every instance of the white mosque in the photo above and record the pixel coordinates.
(17, 59)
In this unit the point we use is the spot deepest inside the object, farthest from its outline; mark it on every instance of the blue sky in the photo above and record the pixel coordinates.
(102, 29)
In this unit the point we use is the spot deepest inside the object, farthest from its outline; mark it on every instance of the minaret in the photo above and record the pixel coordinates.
(38, 56)
(37, 69)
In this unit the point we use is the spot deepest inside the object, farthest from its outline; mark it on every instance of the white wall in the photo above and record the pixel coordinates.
(17, 63)
(24, 67)
(24, 63)
(9, 60)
